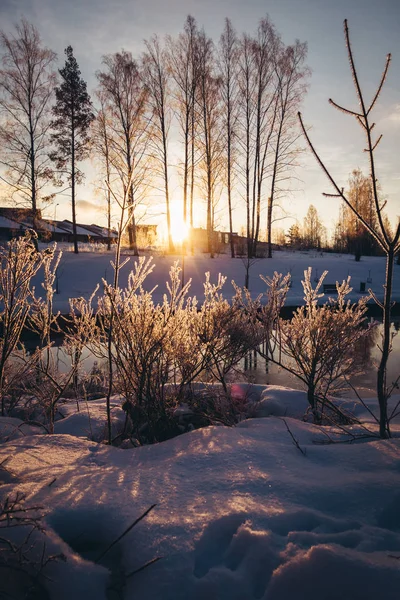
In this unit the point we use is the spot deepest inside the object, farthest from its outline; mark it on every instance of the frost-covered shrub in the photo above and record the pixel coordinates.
(140, 333)
(19, 263)
(155, 345)
(225, 332)
(317, 344)
(45, 382)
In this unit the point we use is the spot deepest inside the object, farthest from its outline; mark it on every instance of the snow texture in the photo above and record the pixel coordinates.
(240, 513)
(78, 275)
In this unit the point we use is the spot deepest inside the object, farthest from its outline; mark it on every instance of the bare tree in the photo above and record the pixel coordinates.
(313, 230)
(211, 131)
(257, 82)
(291, 88)
(360, 194)
(126, 102)
(27, 83)
(246, 87)
(265, 48)
(156, 79)
(101, 139)
(183, 67)
(388, 241)
(227, 59)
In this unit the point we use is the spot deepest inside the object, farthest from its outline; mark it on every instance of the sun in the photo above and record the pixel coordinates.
(179, 229)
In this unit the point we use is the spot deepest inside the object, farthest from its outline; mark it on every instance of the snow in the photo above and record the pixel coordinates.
(269, 509)
(88, 419)
(80, 274)
(240, 513)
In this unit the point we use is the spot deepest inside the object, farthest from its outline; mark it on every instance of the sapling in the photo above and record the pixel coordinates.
(388, 241)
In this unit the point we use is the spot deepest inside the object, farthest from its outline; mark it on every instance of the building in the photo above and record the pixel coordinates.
(15, 221)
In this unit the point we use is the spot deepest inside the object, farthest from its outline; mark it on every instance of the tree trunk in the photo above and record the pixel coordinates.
(192, 179)
(249, 244)
(132, 231)
(269, 227)
(108, 180)
(384, 430)
(166, 186)
(74, 232)
(230, 185)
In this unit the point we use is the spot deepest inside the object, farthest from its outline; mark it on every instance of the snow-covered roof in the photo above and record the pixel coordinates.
(80, 229)
(49, 226)
(102, 231)
(8, 223)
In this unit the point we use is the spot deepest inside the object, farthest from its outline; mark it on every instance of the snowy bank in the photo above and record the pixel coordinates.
(240, 514)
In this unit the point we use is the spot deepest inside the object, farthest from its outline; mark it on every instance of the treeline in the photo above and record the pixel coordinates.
(349, 235)
(232, 104)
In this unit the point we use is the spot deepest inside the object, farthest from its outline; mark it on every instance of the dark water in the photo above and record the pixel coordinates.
(257, 370)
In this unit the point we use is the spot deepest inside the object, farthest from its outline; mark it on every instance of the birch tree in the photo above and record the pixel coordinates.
(182, 63)
(227, 59)
(210, 131)
(27, 81)
(126, 104)
(101, 138)
(156, 79)
(291, 75)
(258, 114)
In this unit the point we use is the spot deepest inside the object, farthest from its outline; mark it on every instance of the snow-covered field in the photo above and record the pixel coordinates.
(79, 274)
(275, 508)
(240, 514)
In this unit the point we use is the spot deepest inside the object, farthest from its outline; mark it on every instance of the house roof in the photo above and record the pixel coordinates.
(9, 223)
(102, 231)
(66, 226)
(50, 226)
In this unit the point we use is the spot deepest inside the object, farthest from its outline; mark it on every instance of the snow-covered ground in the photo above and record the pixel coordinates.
(240, 514)
(79, 274)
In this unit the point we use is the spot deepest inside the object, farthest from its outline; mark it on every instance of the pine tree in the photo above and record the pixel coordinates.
(73, 115)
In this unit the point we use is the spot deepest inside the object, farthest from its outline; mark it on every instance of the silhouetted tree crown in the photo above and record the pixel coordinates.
(73, 114)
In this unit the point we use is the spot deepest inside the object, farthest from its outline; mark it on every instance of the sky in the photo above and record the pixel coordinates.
(98, 27)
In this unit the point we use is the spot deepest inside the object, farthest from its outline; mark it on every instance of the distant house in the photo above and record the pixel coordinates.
(102, 233)
(83, 233)
(146, 235)
(86, 233)
(15, 221)
(221, 240)
(20, 215)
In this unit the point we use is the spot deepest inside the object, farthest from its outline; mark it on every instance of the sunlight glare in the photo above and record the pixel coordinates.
(179, 229)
